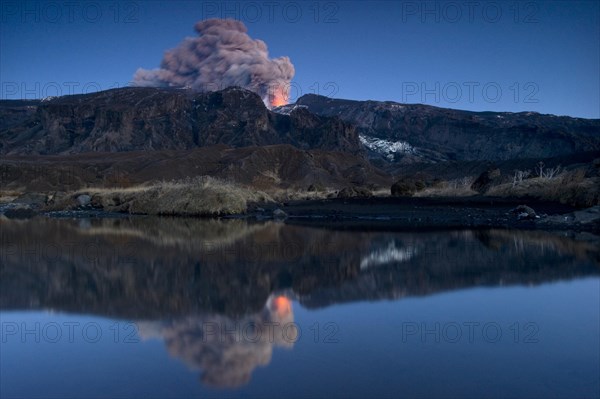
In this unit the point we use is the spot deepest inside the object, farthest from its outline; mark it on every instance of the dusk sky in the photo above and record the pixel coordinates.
(541, 56)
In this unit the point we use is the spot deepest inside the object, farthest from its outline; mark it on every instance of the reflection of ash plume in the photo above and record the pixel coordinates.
(225, 350)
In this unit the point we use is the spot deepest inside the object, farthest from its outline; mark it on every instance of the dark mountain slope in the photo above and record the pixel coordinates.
(130, 119)
(448, 134)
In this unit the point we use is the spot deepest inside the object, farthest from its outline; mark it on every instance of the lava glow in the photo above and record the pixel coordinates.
(278, 97)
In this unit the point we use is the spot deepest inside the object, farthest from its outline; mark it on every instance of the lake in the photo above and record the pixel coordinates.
(167, 307)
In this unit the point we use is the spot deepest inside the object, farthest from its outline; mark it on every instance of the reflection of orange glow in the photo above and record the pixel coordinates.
(283, 306)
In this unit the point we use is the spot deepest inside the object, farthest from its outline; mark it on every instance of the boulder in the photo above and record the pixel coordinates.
(351, 192)
(84, 200)
(524, 212)
(589, 215)
(56, 197)
(34, 200)
(22, 211)
(315, 187)
(486, 180)
(97, 202)
(407, 188)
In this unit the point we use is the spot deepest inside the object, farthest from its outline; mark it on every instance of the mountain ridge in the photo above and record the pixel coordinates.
(442, 134)
(140, 118)
(388, 133)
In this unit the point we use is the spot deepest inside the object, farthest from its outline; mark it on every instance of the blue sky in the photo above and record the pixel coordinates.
(515, 56)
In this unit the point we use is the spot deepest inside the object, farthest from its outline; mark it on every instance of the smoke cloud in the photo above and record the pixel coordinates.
(222, 55)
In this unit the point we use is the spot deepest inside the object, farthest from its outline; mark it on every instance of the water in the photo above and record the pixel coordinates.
(179, 308)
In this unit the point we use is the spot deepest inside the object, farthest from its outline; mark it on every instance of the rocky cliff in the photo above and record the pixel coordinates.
(130, 119)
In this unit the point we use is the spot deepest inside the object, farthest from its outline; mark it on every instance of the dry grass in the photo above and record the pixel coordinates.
(381, 192)
(200, 196)
(290, 194)
(453, 188)
(571, 188)
(7, 196)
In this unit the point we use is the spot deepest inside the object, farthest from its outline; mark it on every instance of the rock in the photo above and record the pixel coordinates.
(486, 180)
(96, 201)
(34, 200)
(20, 212)
(589, 215)
(56, 197)
(588, 219)
(84, 200)
(279, 214)
(524, 212)
(315, 187)
(351, 192)
(407, 188)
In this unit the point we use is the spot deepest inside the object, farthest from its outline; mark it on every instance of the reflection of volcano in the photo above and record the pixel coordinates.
(224, 349)
(156, 268)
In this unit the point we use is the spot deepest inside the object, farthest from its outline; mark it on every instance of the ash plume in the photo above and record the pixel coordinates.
(222, 55)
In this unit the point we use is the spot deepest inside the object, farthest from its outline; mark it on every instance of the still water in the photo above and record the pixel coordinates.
(179, 308)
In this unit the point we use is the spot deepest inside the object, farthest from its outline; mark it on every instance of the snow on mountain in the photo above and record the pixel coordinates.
(385, 147)
(287, 109)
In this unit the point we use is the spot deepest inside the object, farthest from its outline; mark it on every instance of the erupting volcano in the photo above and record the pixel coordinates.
(279, 96)
(222, 55)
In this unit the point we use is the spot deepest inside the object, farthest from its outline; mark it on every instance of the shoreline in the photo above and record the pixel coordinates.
(385, 213)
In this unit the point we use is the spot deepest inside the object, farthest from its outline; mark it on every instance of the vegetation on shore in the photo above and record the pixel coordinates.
(571, 188)
(211, 196)
(198, 196)
(578, 187)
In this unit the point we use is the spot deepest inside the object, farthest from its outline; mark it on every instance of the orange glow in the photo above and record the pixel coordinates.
(279, 97)
(283, 306)
(278, 101)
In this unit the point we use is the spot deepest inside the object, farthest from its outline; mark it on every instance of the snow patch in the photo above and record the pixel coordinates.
(287, 109)
(385, 147)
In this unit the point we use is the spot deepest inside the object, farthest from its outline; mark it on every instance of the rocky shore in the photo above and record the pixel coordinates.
(374, 213)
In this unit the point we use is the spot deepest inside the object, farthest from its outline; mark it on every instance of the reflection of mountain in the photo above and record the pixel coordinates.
(153, 268)
(227, 350)
(456, 260)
